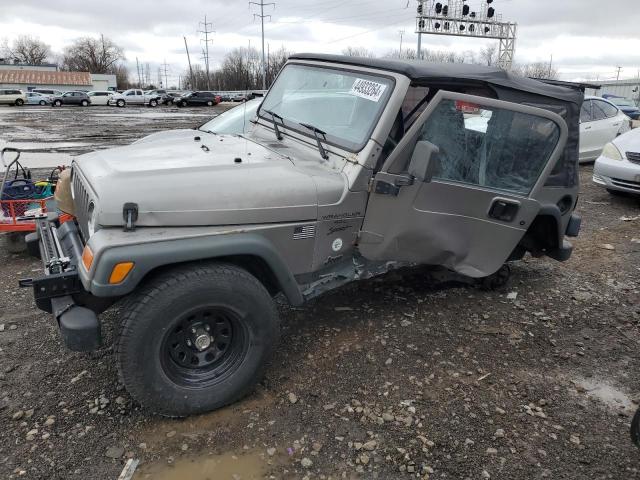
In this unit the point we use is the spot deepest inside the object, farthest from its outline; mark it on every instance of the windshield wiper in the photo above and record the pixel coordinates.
(316, 133)
(274, 117)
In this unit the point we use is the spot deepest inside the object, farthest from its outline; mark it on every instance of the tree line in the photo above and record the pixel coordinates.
(240, 69)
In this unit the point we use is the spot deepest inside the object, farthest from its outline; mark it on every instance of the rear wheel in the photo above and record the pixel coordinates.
(209, 104)
(19, 102)
(120, 103)
(42, 103)
(15, 242)
(153, 103)
(57, 103)
(84, 103)
(196, 338)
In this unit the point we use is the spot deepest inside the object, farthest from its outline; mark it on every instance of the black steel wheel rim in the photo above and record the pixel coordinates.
(204, 346)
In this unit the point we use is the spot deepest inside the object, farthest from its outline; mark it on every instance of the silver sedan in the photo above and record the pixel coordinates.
(618, 167)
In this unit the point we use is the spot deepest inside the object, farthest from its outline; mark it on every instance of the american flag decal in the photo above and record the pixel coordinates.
(308, 231)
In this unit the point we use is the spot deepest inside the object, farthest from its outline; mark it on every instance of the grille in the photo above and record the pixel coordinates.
(633, 157)
(81, 204)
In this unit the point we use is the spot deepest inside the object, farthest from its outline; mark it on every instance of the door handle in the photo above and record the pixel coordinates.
(504, 210)
(587, 128)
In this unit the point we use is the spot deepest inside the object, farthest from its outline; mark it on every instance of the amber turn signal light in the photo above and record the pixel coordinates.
(87, 257)
(120, 272)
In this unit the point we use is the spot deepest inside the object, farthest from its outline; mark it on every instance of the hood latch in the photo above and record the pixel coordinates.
(130, 216)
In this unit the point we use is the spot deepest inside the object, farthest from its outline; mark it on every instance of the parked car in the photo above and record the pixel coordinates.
(618, 167)
(197, 99)
(199, 232)
(240, 97)
(628, 107)
(133, 96)
(48, 91)
(10, 96)
(600, 122)
(72, 98)
(34, 98)
(100, 97)
(234, 121)
(164, 97)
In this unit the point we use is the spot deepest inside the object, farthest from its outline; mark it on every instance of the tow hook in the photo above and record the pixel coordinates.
(130, 216)
(25, 283)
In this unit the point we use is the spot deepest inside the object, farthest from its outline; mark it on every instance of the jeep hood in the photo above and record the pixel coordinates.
(188, 177)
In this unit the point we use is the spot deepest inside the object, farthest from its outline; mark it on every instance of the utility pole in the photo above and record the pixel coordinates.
(262, 16)
(618, 76)
(189, 59)
(139, 76)
(165, 65)
(207, 28)
(401, 32)
(550, 65)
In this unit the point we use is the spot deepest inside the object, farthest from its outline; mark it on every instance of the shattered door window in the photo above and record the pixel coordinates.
(490, 147)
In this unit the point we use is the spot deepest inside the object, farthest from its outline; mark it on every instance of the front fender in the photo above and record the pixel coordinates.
(148, 250)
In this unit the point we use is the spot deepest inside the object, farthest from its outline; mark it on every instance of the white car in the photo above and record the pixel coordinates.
(10, 96)
(133, 96)
(600, 122)
(100, 97)
(618, 167)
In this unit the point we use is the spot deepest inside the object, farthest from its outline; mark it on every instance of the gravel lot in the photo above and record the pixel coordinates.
(408, 376)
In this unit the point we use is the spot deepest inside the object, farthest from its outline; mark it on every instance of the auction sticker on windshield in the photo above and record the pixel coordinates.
(368, 89)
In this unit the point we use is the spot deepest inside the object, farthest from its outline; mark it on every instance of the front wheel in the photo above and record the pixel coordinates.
(57, 103)
(196, 338)
(120, 103)
(19, 102)
(153, 103)
(84, 103)
(209, 104)
(42, 103)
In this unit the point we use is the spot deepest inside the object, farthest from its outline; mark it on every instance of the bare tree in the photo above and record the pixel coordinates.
(94, 55)
(27, 49)
(536, 70)
(489, 56)
(358, 52)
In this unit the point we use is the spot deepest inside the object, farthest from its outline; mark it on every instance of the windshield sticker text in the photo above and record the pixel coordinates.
(367, 89)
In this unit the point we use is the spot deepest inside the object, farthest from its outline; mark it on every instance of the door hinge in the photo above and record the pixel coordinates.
(130, 216)
(382, 187)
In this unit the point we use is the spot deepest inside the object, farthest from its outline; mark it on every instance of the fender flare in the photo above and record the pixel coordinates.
(149, 256)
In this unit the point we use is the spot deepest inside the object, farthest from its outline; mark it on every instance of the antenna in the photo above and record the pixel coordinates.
(262, 16)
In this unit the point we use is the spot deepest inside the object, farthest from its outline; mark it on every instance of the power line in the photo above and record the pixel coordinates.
(262, 16)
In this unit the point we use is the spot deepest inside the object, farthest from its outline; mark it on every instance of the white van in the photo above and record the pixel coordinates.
(10, 96)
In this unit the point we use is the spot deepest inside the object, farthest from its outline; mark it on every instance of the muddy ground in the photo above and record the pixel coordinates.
(406, 376)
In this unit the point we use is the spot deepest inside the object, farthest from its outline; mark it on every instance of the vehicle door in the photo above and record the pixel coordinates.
(68, 98)
(599, 131)
(612, 121)
(588, 140)
(131, 97)
(194, 99)
(458, 193)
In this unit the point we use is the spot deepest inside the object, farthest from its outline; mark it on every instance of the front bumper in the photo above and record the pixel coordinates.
(60, 290)
(620, 175)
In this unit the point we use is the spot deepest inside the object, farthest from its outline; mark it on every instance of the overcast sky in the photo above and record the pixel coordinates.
(587, 38)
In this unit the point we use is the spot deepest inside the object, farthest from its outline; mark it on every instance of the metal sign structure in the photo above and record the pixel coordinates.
(457, 18)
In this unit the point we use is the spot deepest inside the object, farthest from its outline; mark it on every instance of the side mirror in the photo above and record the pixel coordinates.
(424, 163)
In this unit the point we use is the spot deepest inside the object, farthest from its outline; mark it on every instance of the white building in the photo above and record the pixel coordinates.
(622, 88)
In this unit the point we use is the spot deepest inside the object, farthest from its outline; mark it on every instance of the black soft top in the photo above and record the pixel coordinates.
(428, 72)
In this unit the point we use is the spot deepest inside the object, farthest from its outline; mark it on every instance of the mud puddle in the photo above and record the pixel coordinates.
(229, 466)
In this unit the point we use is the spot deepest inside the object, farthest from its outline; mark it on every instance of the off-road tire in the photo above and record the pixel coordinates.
(19, 102)
(120, 103)
(497, 280)
(15, 242)
(157, 311)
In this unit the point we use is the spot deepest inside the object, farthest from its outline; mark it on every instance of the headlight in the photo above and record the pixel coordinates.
(612, 152)
(91, 223)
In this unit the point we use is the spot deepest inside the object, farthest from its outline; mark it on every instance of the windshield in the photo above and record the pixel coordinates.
(345, 105)
(234, 121)
(621, 102)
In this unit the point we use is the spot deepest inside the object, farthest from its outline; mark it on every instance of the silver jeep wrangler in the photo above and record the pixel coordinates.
(352, 167)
